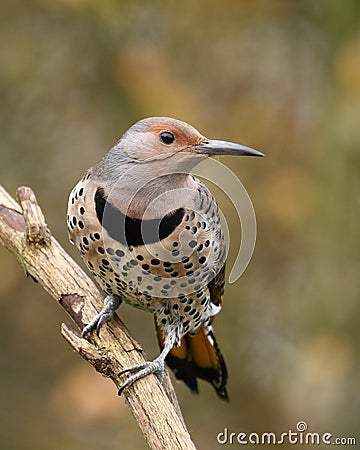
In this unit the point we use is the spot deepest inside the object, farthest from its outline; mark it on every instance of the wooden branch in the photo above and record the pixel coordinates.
(24, 232)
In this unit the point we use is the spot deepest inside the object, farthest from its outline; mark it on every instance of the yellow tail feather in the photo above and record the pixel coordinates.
(198, 356)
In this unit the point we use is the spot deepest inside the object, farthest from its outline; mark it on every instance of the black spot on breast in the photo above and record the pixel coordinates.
(134, 232)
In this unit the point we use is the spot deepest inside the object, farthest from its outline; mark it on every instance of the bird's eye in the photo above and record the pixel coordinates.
(167, 137)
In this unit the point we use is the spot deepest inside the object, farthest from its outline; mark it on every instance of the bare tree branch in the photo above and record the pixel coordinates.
(24, 232)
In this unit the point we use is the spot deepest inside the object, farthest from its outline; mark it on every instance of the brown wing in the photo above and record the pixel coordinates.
(217, 286)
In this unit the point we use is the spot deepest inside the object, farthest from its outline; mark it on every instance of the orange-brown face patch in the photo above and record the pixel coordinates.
(183, 138)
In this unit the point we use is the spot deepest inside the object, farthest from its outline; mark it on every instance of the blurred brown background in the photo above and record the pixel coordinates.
(282, 76)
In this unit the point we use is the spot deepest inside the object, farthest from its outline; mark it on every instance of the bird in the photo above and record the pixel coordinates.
(150, 233)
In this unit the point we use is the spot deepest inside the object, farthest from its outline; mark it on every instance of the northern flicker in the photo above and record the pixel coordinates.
(150, 233)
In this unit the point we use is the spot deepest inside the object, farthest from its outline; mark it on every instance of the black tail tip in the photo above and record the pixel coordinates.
(222, 393)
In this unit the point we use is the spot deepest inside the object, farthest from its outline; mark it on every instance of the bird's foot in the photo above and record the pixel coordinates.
(112, 302)
(157, 367)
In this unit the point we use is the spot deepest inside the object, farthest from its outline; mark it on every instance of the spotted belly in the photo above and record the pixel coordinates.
(169, 276)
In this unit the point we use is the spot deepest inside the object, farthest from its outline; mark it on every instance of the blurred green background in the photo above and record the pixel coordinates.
(282, 76)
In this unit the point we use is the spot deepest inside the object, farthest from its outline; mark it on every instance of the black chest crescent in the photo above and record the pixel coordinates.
(131, 231)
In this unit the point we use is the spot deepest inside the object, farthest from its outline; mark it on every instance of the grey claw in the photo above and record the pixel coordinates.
(112, 303)
(156, 367)
(90, 326)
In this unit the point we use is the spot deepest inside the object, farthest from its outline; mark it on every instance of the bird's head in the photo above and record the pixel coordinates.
(171, 144)
(153, 156)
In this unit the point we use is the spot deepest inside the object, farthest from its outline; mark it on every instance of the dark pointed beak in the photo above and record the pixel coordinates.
(215, 147)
